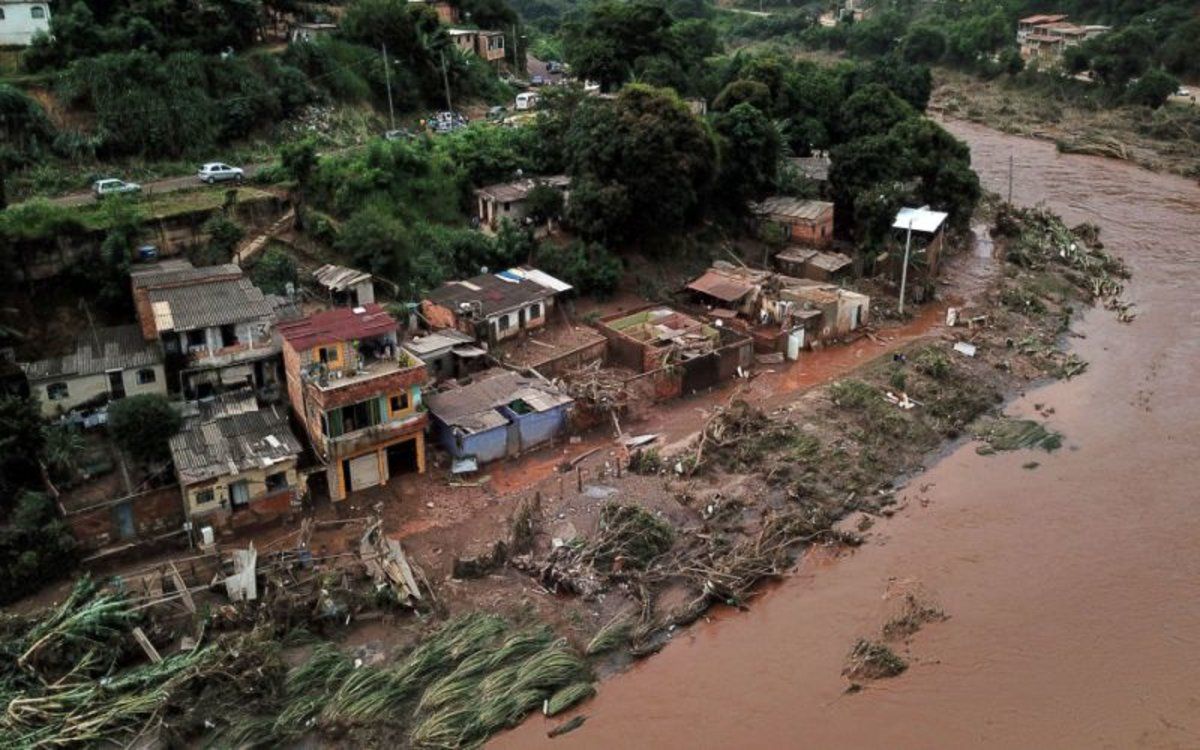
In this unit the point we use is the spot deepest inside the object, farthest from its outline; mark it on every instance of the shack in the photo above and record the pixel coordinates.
(923, 230)
(345, 287)
(447, 353)
(509, 200)
(806, 222)
(105, 364)
(237, 466)
(500, 413)
(494, 307)
(810, 263)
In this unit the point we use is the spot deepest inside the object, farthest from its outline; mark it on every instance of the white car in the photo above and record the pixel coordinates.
(110, 186)
(218, 172)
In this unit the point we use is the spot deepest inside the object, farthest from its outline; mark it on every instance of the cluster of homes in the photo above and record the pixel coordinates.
(1045, 37)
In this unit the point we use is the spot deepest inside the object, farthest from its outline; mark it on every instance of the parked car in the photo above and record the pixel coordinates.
(554, 66)
(447, 122)
(147, 253)
(537, 81)
(497, 113)
(527, 100)
(111, 186)
(218, 172)
(400, 134)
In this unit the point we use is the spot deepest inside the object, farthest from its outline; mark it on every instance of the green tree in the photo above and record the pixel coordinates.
(544, 203)
(872, 110)
(744, 92)
(607, 42)
(36, 547)
(63, 446)
(650, 153)
(1152, 89)
(124, 222)
(380, 242)
(142, 425)
(22, 441)
(589, 267)
(223, 238)
(923, 44)
(274, 270)
(750, 150)
(299, 159)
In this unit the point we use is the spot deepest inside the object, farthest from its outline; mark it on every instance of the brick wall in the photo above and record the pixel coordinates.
(157, 512)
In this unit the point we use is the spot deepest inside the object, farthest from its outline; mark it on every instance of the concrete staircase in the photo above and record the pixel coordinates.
(254, 245)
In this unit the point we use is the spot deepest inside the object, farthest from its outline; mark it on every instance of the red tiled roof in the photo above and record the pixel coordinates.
(339, 324)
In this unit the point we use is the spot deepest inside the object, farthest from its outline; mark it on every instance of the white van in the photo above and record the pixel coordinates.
(527, 100)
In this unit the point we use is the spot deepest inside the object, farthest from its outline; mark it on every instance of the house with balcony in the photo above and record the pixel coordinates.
(357, 393)
(215, 326)
(236, 466)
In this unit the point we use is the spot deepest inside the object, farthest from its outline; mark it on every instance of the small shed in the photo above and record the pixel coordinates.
(499, 414)
(928, 234)
(810, 263)
(347, 287)
(806, 222)
(447, 353)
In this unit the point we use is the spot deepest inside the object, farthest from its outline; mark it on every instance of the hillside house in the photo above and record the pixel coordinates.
(446, 12)
(447, 353)
(814, 169)
(810, 263)
(489, 45)
(494, 307)
(1045, 38)
(499, 414)
(243, 464)
(213, 321)
(358, 395)
(105, 364)
(508, 200)
(345, 287)
(803, 222)
(464, 39)
(20, 20)
(302, 32)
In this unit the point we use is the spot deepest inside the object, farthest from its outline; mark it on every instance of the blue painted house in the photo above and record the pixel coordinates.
(499, 414)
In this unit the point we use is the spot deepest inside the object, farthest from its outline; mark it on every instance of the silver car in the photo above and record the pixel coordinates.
(218, 172)
(111, 186)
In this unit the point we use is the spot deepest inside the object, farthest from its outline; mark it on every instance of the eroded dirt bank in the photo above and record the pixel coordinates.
(1070, 587)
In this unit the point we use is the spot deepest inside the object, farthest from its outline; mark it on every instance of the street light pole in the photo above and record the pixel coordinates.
(904, 269)
(387, 77)
(446, 83)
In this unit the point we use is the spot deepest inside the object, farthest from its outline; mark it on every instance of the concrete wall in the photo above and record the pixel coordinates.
(539, 427)
(18, 25)
(485, 446)
(81, 390)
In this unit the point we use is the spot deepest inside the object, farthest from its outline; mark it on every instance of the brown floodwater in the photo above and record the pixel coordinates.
(1072, 589)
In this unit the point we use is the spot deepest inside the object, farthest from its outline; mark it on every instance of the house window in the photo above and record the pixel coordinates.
(229, 335)
(535, 311)
(1, 14)
(196, 338)
(399, 402)
(277, 482)
(507, 206)
(204, 496)
(504, 322)
(57, 391)
(328, 354)
(37, 11)
(146, 376)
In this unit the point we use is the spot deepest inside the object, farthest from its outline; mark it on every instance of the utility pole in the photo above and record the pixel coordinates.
(387, 77)
(516, 50)
(446, 83)
(904, 268)
(1010, 177)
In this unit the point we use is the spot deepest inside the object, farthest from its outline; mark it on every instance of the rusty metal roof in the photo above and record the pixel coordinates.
(721, 286)
(792, 208)
(339, 324)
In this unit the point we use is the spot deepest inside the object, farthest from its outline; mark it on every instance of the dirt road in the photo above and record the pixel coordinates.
(157, 187)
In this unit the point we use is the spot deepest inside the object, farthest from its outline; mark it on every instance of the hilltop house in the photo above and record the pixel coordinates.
(20, 20)
(358, 395)
(494, 307)
(240, 463)
(212, 322)
(500, 413)
(106, 364)
(1046, 37)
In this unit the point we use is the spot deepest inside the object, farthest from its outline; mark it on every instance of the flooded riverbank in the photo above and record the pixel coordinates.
(1071, 588)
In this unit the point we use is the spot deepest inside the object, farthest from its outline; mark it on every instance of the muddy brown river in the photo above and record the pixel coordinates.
(1073, 589)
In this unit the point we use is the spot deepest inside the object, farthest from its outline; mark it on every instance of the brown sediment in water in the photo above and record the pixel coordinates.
(1071, 589)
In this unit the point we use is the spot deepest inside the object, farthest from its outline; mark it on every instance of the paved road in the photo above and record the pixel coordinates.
(169, 185)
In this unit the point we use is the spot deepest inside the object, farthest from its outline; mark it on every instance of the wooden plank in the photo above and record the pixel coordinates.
(140, 636)
(183, 589)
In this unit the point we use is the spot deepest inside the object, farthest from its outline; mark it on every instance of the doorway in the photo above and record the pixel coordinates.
(402, 458)
(116, 384)
(239, 495)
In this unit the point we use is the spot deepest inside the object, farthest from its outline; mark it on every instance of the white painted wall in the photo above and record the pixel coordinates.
(18, 24)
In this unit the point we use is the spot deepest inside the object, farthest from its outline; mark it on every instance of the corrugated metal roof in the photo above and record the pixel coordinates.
(721, 286)
(112, 348)
(540, 277)
(339, 324)
(179, 271)
(921, 219)
(339, 278)
(495, 294)
(518, 190)
(436, 341)
(231, 445)
(792, 208)
(813, 167)
(472, 408)
(830, 262)
(213, 303)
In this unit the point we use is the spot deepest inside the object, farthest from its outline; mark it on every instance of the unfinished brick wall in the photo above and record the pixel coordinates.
(157, 512)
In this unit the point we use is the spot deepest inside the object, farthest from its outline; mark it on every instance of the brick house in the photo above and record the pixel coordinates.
(804, 222)
(357, 394)
(494, 307)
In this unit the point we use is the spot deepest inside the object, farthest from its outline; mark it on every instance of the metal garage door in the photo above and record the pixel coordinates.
(364, 471)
